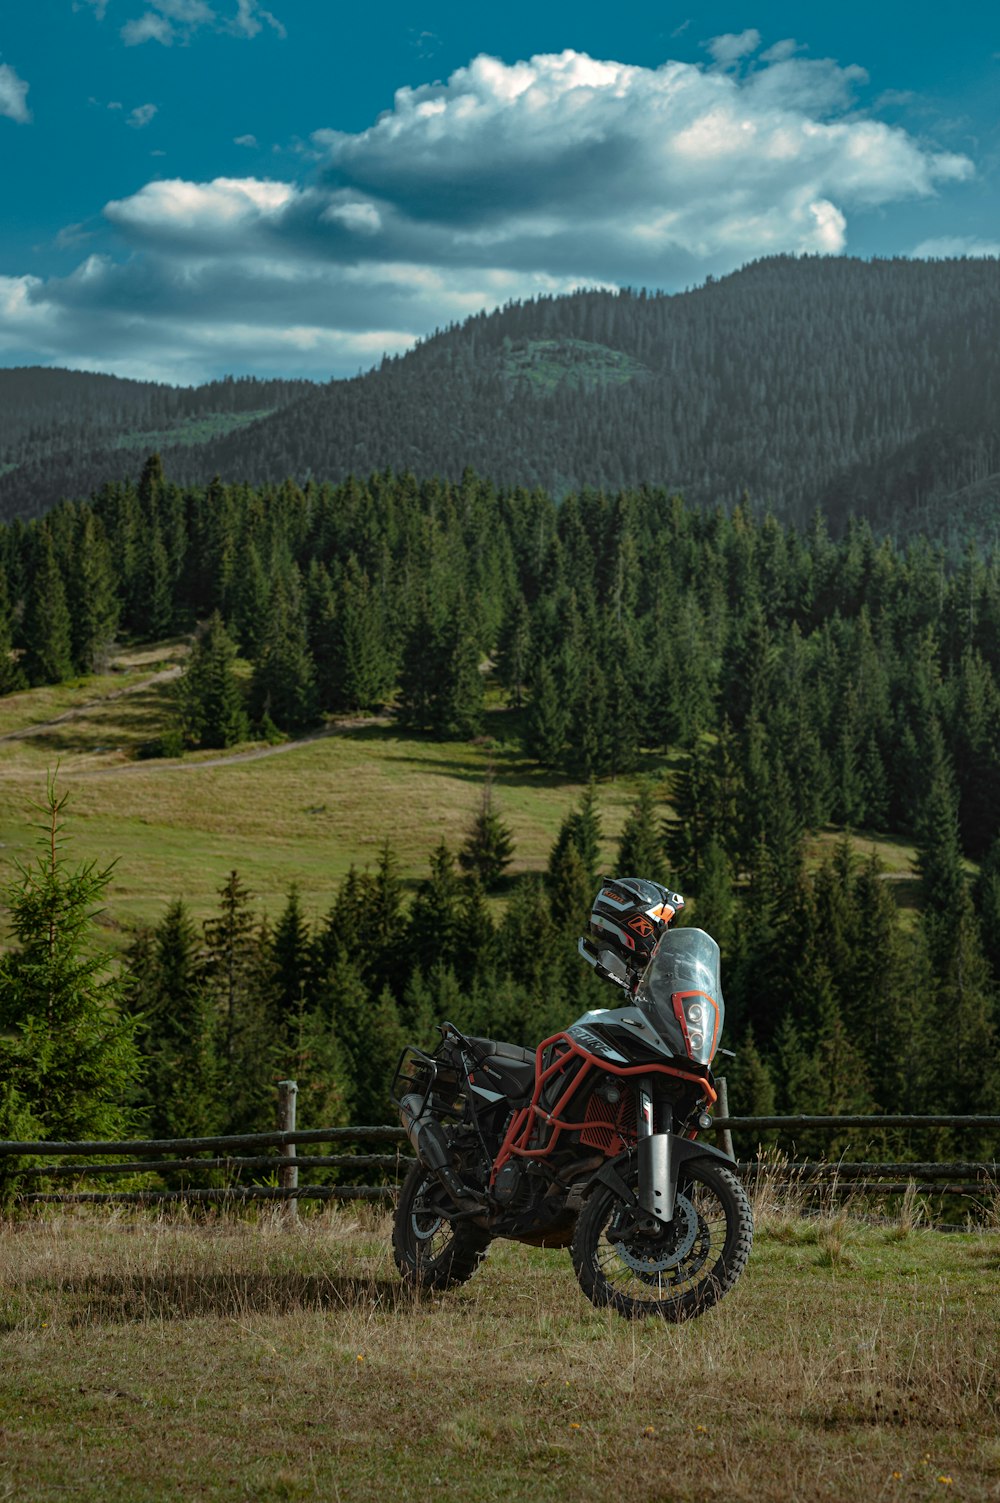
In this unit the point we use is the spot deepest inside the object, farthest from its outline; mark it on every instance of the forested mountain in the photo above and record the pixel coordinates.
(60, 428)
(860, 387)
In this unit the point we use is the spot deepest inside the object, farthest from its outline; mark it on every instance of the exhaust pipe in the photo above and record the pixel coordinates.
(429, 1143)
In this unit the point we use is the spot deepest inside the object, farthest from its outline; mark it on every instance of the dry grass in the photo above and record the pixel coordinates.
(154, 1358)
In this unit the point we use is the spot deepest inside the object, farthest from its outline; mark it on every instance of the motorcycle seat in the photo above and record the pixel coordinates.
(515, 1066)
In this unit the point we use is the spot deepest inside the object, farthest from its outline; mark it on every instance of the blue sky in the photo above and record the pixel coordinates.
(196, 187)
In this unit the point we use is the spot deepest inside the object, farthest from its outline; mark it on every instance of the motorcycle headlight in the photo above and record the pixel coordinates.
(698, 1015)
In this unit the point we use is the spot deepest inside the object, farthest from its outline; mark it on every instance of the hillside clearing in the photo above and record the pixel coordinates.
(298, 812)
(163, 1359)
(178, 827)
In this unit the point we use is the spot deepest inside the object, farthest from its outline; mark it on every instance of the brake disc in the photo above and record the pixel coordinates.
(426, 1220)
(425, 1233)
(669, 1248)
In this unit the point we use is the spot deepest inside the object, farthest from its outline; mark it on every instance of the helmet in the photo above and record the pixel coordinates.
(626, 919)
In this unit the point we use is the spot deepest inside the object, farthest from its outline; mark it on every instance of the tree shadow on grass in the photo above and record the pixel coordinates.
(125, 1298)
(517, 773)
(148, 714)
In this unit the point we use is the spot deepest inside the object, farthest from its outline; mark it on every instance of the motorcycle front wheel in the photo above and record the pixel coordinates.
(430, 1250)
(676, 1271)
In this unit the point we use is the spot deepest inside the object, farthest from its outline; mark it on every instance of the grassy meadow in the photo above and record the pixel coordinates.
(289, 813)
(301, 812)
(143, 1357)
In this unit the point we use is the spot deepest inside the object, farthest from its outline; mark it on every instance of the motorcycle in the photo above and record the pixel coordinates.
(590, 1141)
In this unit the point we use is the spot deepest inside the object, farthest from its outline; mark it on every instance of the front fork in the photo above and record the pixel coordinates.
(657, 1172)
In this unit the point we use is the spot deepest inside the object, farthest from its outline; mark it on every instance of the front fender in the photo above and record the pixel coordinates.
(658, 1159)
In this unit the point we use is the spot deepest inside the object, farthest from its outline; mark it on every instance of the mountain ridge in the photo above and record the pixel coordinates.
(857, 387)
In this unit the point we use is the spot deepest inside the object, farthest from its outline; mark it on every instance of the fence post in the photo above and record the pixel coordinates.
(725, 1136)
(287, 1092)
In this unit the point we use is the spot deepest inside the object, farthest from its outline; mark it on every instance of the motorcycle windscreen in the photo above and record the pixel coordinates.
(681, 993)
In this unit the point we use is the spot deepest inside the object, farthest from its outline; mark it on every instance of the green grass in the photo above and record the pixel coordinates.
(192, 430)
(302, 815)
(157, 1359)
(548, 363)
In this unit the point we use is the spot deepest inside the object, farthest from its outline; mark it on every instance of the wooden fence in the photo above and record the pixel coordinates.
(239, 1153)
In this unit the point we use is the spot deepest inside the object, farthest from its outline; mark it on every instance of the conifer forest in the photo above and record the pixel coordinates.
(781, 682)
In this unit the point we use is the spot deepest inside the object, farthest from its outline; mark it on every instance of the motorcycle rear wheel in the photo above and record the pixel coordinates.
(431, 1251)
(678, 1272)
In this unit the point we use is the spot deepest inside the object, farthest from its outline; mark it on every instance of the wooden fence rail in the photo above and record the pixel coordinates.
(138, 1156)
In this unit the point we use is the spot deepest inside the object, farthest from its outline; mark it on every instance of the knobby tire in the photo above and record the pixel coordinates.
(449, 1255)
(620, 1271)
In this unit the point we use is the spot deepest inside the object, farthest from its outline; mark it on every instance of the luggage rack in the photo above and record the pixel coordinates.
(438, 1083)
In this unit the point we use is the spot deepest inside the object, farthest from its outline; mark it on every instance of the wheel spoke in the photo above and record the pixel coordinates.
(677, 1270)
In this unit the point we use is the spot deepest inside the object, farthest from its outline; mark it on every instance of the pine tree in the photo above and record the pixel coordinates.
(46, 629)
(965, 1047)
(458, 702)
(362, 665)
(489, 844)
(939, 865)
(385, 1038)
(513, 650)
(209, 694)
(435, 915)
(547, 729)
(640, 850)
(321, 1067)
(92, 596)
(535, 956)
(714, 899)
(345, 1002)
(283, 685)
(236, 973)
(987, 895)
(420, 670)
(152, 612)
(975, 740)
(751, 1084)
(321, 618)
(292, 982)
(251, 594)
(168, 993)
(382, 929)
(582, 829)
(11, 677)
(70, 1060)
(476, 950)
(570, 888)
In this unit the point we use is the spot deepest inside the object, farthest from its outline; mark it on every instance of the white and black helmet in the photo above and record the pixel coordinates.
(627, 917)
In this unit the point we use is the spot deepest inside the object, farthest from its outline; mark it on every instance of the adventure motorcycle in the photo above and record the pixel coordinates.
(590, 1141)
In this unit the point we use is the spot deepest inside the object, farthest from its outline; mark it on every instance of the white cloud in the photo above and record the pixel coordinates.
(355, 214)
(13, 95)
(148, 28)
(196, 213)
(956, 245)
(251, 17)
(168, 21)
(142, 115)
(613, 170)
(781, 51)
(247, 140)
(733, 46)
(502, 182)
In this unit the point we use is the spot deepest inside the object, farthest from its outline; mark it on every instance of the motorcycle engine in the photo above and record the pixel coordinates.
(508, 1182)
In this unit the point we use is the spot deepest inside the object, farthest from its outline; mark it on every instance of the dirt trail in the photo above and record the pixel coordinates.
(332, 728)
(80, 711)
